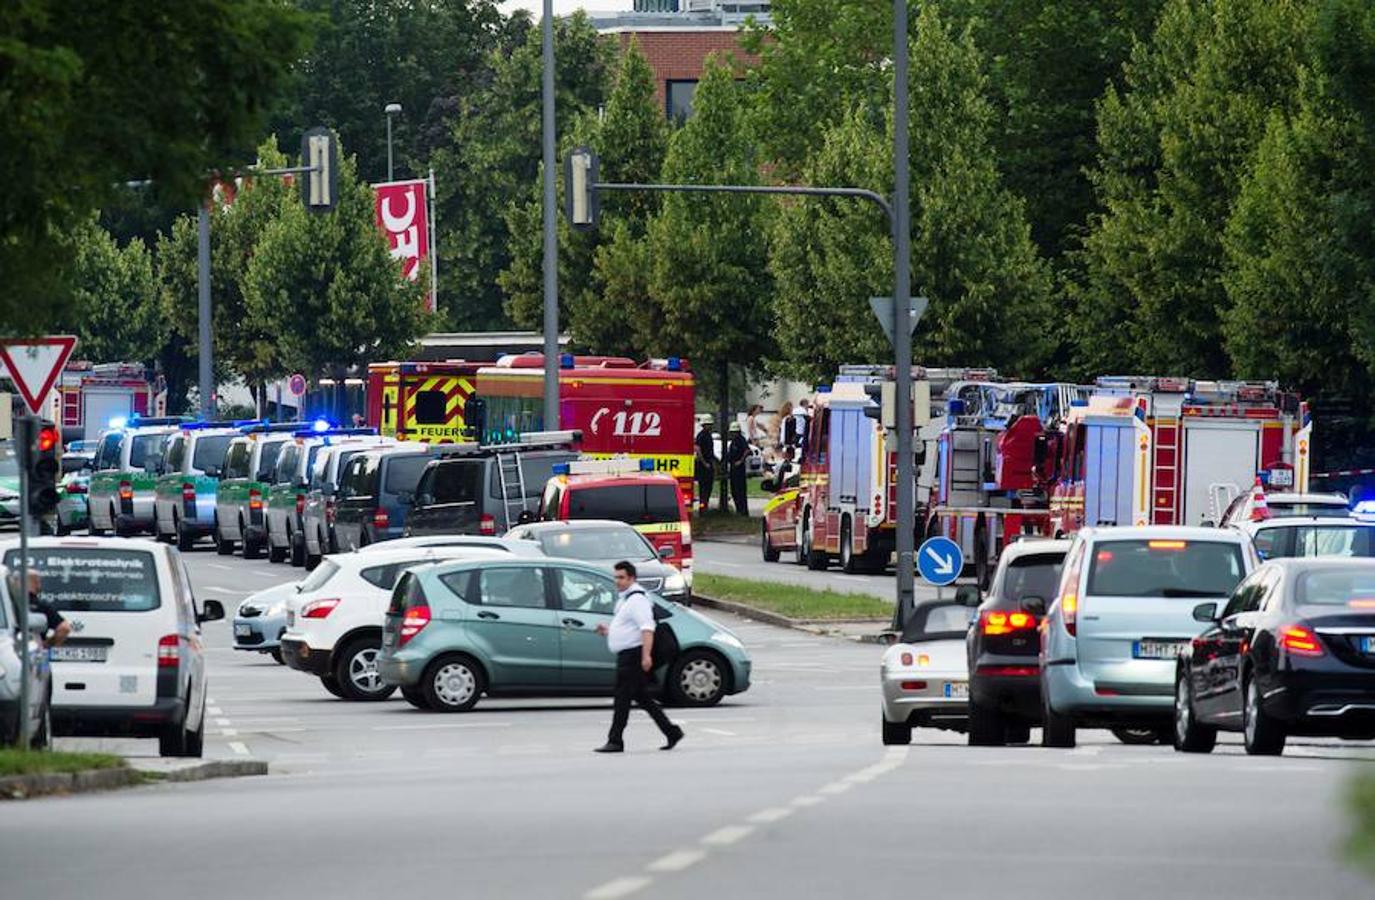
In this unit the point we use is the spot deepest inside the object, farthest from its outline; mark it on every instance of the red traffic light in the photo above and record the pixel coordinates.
(47, 438)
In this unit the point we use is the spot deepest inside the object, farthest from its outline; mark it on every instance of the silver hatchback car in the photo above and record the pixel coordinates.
(1123, 614)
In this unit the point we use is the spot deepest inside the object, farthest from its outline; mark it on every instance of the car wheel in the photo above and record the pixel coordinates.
(1136, 737)
(848, 563)
(1056, 730)
(276, 654)
(1190, 735)
(816, 559)
(800, 543)
(312, 560)
(332, 686)
(251, 549)
(1017, 733)
(175, 740)
(194, 744)
(987, 727)
(895, 733)
(770, 553)
(222, 546)
(297, 543)
(355, 671)
(275, 554)
(415, 697)
(185, 539)
(1262, 733)
(697, 678)
(452, 684)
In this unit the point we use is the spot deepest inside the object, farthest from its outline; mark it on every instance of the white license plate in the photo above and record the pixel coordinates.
(957, 690)
(80, 654)
(242, 630)
(1157, 649)
(1281, 478)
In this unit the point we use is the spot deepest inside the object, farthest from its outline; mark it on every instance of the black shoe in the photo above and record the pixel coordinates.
(609, 747)
(673, 739)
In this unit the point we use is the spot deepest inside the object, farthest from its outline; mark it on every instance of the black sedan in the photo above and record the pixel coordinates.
(1291, 652)
(1003, 644)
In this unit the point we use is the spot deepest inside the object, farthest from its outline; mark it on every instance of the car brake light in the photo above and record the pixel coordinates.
(380, 519)
(1069, 612)
(921, 659)
(255, 499)
(300, 503)
(76, 488)
(1167, 545)
(188, 492)
(487, 525)
(997, 622)
(319, 609)
(1300, 641)
(1027, 671)
(126, 490)
(169, 650)
(416, 618)
(914, 685)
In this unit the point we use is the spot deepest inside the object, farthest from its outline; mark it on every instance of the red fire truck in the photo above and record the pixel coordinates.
(1171, 451)
(421, 401)
(623, 408)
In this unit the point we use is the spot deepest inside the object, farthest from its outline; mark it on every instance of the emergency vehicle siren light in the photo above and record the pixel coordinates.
(320, 425)
(617, 466)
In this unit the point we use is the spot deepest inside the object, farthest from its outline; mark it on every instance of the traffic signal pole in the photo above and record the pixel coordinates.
(25, 430)
(902, 329)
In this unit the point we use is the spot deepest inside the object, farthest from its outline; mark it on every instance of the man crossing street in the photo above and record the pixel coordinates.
(631, 637)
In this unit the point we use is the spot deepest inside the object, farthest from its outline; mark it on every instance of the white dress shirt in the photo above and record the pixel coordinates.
(634, 616)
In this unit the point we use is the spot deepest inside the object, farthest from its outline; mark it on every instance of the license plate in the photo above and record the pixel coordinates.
(80, 654)
(1281, 477)
(242, 629)
(957, 690)
(1368, 645)
(1157, 649)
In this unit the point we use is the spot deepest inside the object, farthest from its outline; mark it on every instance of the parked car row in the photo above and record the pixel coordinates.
(1162, 633)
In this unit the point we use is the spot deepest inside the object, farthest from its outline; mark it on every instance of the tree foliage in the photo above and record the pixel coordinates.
(114, 309)
(95, 94)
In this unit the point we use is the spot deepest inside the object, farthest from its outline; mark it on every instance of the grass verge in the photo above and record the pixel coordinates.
(31, 762)
(715, 522)
(792, 601)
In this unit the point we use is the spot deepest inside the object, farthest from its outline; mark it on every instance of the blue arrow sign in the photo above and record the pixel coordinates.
(940, 560)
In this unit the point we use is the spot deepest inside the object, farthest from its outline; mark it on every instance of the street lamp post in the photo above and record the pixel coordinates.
(551, 240)
(392, 109)
(902, 329)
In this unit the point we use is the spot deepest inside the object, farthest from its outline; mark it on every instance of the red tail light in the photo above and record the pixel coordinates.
(126, 490)
(76, 488)
(487, 525)
(914, 685)
(416, 618)
(997, 622)
(318, 609)
(300, 503)
(169, 650)
(1069, 611)
(255, 499)
(1030, 671)
(188, 492)
(380, 519)
(1300, 641)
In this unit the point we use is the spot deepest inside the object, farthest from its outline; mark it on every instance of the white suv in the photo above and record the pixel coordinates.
(334, 622)
(134, 663)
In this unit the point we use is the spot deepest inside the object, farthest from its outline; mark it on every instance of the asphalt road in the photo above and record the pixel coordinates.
(783, 791)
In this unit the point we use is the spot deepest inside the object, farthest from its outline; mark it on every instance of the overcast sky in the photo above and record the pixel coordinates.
(567, 6)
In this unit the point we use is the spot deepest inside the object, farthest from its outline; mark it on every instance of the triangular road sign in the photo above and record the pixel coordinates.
(35, 363)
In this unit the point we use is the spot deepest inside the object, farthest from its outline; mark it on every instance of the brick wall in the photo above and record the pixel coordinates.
(681, 54)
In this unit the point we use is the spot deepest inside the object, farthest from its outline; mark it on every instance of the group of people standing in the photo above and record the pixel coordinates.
(785, 438)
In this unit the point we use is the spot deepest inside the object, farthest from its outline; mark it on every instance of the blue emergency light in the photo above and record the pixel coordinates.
(561, 468)
(320, 426)
(118, 422)
(1364, 510)
(566, 361)
(675, 364)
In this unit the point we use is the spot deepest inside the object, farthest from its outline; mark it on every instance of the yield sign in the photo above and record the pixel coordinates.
(35, 363)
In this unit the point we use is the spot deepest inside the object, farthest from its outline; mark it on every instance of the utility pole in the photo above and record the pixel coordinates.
(391, 110)
(902, 330)
(206, 342)
(551, 238)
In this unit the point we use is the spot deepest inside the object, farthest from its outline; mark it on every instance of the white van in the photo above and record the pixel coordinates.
(134, 663)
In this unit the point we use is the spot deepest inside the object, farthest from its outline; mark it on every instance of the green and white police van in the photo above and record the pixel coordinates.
(184, 499)
(250, 462)
(120, 494)
(286, 496)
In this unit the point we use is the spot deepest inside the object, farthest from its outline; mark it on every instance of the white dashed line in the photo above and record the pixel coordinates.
(239, 747)
(223, 590)
(222, 568)
(836, 787)
(621, 887)
(439, 725)
(676, 861)
(721, 731)
(723, 837)
(772, 814)
(229, 732)
(222, 722)
(808, 800)
(214, 710)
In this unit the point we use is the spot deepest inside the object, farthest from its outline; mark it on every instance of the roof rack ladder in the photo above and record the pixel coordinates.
(511, 475)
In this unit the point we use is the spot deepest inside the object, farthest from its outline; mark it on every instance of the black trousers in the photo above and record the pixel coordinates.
(737, 489)
(632, 684)
(706, 478)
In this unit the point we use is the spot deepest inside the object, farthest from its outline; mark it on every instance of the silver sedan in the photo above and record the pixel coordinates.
(925, 675)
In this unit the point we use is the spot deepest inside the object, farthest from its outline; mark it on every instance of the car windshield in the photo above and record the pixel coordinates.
(316, 579)
(596, 543)
(1032, 575)
(1164, 568)
(937, 622)
(209, 452)
(1315, 540)
(1352, 587)
(267, 460)
(9, 466)
(94, 579)
(1307, 508)
(633, 504)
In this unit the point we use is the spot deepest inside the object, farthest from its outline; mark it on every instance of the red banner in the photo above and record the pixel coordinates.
(403, 216)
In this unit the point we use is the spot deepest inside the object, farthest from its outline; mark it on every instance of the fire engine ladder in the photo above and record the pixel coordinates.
(512, 478)
(1165, 513)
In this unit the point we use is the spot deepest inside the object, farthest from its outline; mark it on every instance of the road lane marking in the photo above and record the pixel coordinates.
(676, 861)
(223, 590)
(214, 710)
(807, 800)
(836, 787)
(772, 814)
(220, 566)
(724, 837)
(721, 731)
(239, 747)
(439, 725)
(222, 722)
(620, 887)
(229, 732)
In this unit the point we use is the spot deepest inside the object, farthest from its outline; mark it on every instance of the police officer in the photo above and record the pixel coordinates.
(706, 463)
(737, 452)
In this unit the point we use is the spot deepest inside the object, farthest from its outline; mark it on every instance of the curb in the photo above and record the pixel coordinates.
(42, 784)
(809, 626)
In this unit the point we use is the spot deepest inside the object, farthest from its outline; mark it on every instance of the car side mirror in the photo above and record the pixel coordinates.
(665, 552)
(423, 500)
(211, 611)
(1205, 612)
(1034, 605)
(967, 595)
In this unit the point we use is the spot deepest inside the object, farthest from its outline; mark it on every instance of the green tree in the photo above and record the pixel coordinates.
(972, 255)
(708, 273)
(1173, 145)
(95, 94)
(491, 156)
(114, 310)
(327, 289)
(631, 139)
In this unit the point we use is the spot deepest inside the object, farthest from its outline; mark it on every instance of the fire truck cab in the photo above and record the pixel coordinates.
(421, 401)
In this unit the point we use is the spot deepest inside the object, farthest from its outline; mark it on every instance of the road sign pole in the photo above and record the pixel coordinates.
(24, 433)
(902, 332)
(551, 238)
(204, 340)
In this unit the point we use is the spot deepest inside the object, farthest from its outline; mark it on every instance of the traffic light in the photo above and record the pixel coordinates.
(884, 408)
(320, 187)
(40, 444)
(580, 203)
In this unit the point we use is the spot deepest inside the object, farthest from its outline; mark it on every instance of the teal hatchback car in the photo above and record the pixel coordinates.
(457, 630)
